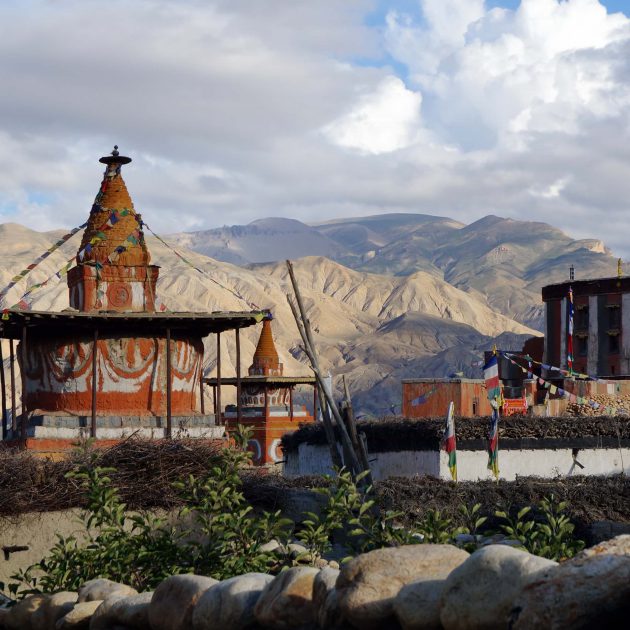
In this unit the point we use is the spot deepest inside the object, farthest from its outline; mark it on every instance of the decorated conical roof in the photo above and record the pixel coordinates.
(266, 359)
(113, 234)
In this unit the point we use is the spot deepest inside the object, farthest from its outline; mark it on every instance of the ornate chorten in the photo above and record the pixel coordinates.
(266, 401)
(113, 271)
(266, 360)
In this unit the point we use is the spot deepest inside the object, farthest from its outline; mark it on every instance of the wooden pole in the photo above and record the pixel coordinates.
(310, 350)
(291, 404)
(357, 444)
(328, 426)
(239, 409)
(3, 385)
(23, 379)
(202, 401)
(94, 381)
(169, 419)
(12, 375)
(218, 395)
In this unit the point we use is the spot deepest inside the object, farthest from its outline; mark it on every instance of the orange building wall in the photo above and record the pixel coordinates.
(462, 394)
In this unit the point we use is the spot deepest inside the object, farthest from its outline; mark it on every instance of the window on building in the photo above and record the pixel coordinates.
(614, 317)
(581, 319)
(582, 346)
(475, 411)
(613, 344)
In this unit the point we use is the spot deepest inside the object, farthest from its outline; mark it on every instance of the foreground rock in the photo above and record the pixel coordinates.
(19, 617)
(287, 601)
(79, 617)
(174, 600)
(591, 590)
(326, 601)
(417, 605)
(369, 583)
(481, 592)
(229, 605)
(53, 608)
(131, 613)
(102, 588)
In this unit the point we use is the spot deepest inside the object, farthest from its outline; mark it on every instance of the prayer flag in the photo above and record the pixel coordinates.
(493, 444)
(570, 332)
(491, 376)
(448, 442)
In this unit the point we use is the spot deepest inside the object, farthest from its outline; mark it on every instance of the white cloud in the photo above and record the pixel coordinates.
(385, 120)
(222, 104)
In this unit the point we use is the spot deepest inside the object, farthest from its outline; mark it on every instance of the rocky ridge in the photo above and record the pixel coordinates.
(375, 329)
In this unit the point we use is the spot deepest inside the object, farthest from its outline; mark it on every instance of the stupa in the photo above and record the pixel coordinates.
(116, 361)
(265, 400)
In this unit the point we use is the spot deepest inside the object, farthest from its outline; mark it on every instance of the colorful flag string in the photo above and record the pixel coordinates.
(420, 400)
(236, 294)
(38, 260)
(493, 443)
(552, 368)
(555, 390)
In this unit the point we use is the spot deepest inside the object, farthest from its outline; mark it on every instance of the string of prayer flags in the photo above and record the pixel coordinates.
(39, 259)
(420, 400)
(553, 368)
(574, 398)
(251, 305)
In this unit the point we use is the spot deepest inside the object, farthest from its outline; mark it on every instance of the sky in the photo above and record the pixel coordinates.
(234, 110)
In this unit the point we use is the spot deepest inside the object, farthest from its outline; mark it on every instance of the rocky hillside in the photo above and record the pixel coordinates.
(501, 262)
(374, 328)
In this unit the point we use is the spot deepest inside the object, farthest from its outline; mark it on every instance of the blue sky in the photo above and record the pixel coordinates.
(235, 110)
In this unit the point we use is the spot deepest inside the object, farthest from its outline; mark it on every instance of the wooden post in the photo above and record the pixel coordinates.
(3, 385)
(12, 375)
(214, 402)
(304, 328)
(239, 409)
(266, 412)
(169, 419)
(218, 394)
(291, 403)
(23, 379)
(94, 381)
(202, 401)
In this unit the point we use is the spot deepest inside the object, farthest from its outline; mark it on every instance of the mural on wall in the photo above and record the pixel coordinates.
(131, 375)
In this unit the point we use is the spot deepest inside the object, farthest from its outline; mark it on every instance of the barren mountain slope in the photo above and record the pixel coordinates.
(502, 262)
(366, 325)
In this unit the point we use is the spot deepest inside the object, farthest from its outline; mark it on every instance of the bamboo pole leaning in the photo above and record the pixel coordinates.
(304, 328)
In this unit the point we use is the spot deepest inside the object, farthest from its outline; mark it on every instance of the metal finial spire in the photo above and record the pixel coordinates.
(115, 158)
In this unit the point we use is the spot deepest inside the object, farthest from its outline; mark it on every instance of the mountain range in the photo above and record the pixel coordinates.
(389, 297)
(501, 262)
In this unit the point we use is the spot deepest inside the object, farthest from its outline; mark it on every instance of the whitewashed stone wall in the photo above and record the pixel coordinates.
(471, 465)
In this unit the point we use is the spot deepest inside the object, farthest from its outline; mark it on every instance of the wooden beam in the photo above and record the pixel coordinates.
(218, 394)
(3, 385)
(14, 425)
(94, 381)
(239, 408)
(23, 379)
(169, 385)
(291, 404)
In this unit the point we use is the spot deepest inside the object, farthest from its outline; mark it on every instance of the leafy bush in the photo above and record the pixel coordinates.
(219, 535)
(551, 535)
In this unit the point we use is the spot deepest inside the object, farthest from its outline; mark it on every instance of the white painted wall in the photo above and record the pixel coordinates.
(471, 465)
